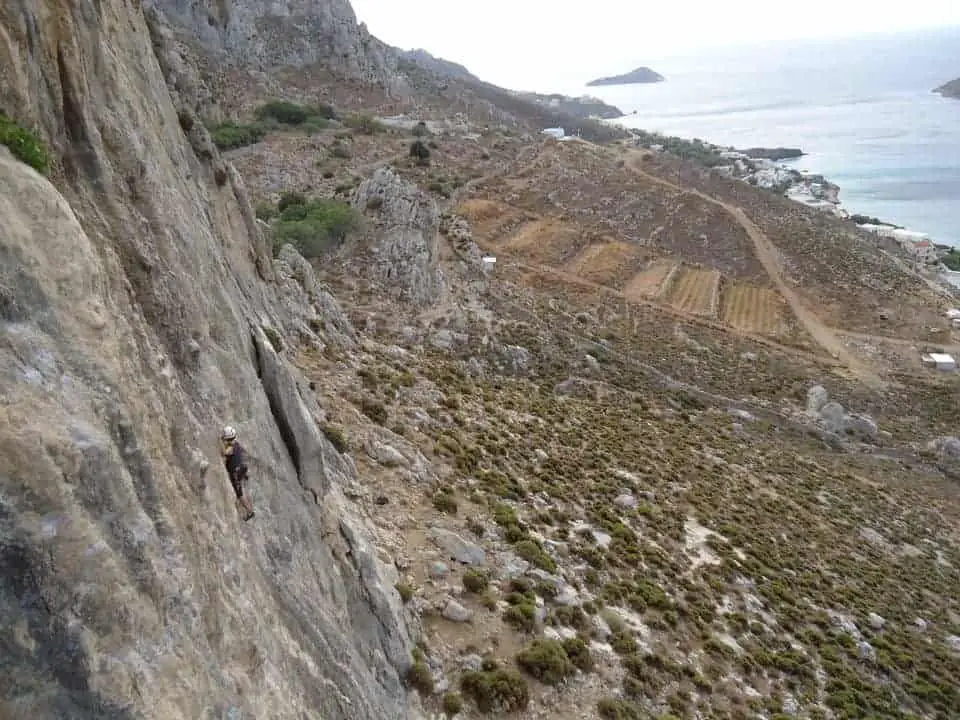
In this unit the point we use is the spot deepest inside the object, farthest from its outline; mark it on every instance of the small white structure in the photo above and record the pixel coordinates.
(940, 361)
(556, 133)
(488, 262)
(953, 313)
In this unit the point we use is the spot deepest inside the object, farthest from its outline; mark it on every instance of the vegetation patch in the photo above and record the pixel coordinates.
(314, 226)
(496, 689)
(24, 144)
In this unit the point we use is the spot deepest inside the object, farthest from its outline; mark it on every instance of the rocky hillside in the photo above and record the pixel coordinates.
(662, 459)
(950, 89)
(140, 310)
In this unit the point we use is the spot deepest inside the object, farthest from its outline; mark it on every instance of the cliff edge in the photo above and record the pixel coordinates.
(139, 312)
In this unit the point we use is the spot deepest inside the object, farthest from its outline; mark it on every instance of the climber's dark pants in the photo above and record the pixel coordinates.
(237, 479)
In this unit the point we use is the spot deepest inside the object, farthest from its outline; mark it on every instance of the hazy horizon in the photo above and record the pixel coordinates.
(545, 48)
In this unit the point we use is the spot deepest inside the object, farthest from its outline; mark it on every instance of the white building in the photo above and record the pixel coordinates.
(940, 361)
(557, 133)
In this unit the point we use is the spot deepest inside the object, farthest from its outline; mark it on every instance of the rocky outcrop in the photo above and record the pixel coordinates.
(946, 451)
(137, 290)
(836, 420)
(640, 75)
(405, 257)
(950, 89)
(265, 35)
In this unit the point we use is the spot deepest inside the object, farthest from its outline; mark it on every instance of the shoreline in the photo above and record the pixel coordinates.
(772, 169)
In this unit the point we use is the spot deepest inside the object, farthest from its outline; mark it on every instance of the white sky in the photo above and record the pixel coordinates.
(555, 46)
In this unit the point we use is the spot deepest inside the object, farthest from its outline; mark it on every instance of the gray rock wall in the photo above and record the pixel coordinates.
(135, 288)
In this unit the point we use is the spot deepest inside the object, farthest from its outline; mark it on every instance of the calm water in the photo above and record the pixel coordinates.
(861, 108)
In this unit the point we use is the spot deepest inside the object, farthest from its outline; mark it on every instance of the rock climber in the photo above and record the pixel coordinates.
(235, 460)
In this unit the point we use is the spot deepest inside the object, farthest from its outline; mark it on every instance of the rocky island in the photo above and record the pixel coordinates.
(639, 76)
(950, 89)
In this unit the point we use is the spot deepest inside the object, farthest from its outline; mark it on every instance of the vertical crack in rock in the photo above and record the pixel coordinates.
(268, 381)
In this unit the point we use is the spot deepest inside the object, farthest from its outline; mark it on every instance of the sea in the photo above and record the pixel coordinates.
(860, 107)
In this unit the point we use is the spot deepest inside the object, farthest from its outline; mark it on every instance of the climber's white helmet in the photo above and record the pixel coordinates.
(229, 434)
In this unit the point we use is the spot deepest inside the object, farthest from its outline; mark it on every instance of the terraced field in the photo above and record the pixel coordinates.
(607, 263)
(542, 241)
(695, 291)
(753, 309)
(651, 281)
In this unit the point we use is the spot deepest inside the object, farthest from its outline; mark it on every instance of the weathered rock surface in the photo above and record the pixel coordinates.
(132, 328)
(835, 419)
(266, 35)
(946, 450)
(405, 258)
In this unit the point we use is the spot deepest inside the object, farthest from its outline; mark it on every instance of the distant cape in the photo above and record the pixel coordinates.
(950, 89)
(634, 77)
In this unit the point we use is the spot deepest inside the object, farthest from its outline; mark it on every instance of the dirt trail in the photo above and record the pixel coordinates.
(767, 255)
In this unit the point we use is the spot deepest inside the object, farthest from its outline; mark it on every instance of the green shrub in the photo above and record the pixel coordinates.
(336, 438)
(420, 152)
(405, 591)
(579, 653)
(339, 149)
(531, 551)
(496, 689)
(288, 113)
(452, 704)
(374, 410)
(475, 581)
(421, 129)
(265, 211)
(547, 661)
(25, 145)
(522, 616)
(420, 677)
(231, 135)
(289, 198)
(364, 124)
(445, 502)
(613, 709)
(315, 226)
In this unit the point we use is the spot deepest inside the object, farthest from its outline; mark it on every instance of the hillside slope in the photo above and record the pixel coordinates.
(135, 286)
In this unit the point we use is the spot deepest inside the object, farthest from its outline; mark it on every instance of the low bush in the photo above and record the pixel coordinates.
(547, 661)
(288, 113)
(496, 689)
(231, 135)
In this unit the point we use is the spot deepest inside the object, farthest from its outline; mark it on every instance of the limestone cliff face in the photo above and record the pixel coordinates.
(134, 289)
(266, 34)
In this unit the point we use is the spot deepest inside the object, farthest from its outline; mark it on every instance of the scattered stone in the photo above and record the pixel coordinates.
(471, 662)
(741, 414)
(626, 501)
(438, 570)
(866, 652)
(876, 621)
(455, 612)
(817, 397)
(456, 548)
(386, 455)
